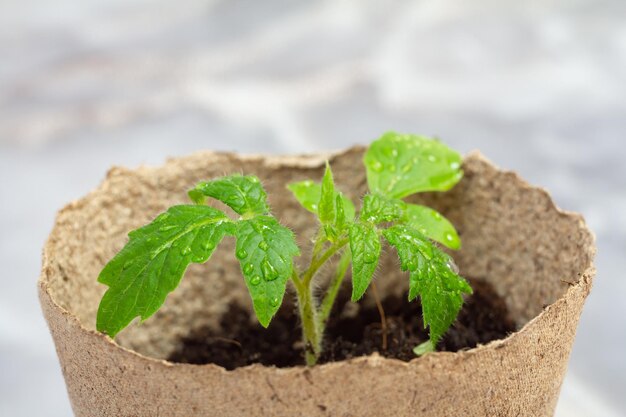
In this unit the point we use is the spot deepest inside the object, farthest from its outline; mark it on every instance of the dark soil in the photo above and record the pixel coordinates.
(353, 330)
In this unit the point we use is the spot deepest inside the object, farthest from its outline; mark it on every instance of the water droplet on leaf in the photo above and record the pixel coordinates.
(263, 245)
(274, 301)
(376, 166)
(269, 272)
(208, 245)
(391, 152)
(248, 268)
(255, 280)
(453, 266)
(369, 258)
(185, 251)
(241, 253)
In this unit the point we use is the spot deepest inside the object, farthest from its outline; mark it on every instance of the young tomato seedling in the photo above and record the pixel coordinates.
(156, 256)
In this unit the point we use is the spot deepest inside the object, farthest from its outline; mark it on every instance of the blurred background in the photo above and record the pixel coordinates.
(538, 86)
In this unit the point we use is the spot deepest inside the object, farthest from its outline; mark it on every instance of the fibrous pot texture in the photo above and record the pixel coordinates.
(537, 257)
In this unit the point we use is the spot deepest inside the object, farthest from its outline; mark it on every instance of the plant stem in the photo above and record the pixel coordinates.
(307, 307)
(333, 289)
(318, 244)
(383, 319)
(317, 262)
(310, 331)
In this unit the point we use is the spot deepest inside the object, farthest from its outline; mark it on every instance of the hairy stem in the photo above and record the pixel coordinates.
(381, 312)
(318, 261)
(333, 289)
(307, 306)
(310, 331)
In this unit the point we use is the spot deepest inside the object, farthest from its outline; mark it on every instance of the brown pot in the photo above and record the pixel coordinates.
(537, 257)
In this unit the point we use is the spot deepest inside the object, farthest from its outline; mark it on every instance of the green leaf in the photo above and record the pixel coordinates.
(399, 165)
(244, 194)
(378, 209)
(309, 193)
(431, 276)
(340, 215)
(326, 206)
(265, 250)
(365, 247)
(154, 260)
(424, 348)
(432, 224)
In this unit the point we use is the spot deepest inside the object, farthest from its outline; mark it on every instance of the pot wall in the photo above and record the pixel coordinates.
(513, 237)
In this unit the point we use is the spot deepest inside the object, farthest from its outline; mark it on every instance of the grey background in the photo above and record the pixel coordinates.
(539, 87)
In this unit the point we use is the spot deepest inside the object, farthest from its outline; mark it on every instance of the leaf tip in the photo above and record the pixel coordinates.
(265, 320)
(424, 348)
(104, 327)
(357, 294)
(196, 196)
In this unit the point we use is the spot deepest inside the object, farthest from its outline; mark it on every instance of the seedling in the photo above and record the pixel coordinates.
(156, 256)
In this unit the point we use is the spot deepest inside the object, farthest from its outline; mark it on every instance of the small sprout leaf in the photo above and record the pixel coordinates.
(154, 260)
(265, 250)
(309, 193)
(365, 248)
(432, 224)
(424, 348)
(399, 165)
(340, 213)
(326, 206)
(431, 278)
(378, 209)
(243, 193)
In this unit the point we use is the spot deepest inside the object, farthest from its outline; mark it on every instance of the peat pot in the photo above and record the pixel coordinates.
(537, 257)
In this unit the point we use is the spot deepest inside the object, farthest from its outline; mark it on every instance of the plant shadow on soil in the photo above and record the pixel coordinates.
(353, 330)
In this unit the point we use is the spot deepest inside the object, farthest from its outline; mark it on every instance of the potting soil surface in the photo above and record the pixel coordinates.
(353, 330)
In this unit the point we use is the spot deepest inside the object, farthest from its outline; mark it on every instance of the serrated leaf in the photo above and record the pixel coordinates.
(431, 224)
(365, 247)
(399, 165)
(243, 193)
(308, 194)
(153, 262)
(265, 250)
(326, 206)
(431, 277)
(378, 209)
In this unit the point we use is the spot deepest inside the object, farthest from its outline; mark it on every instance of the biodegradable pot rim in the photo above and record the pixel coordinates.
(317, 160)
